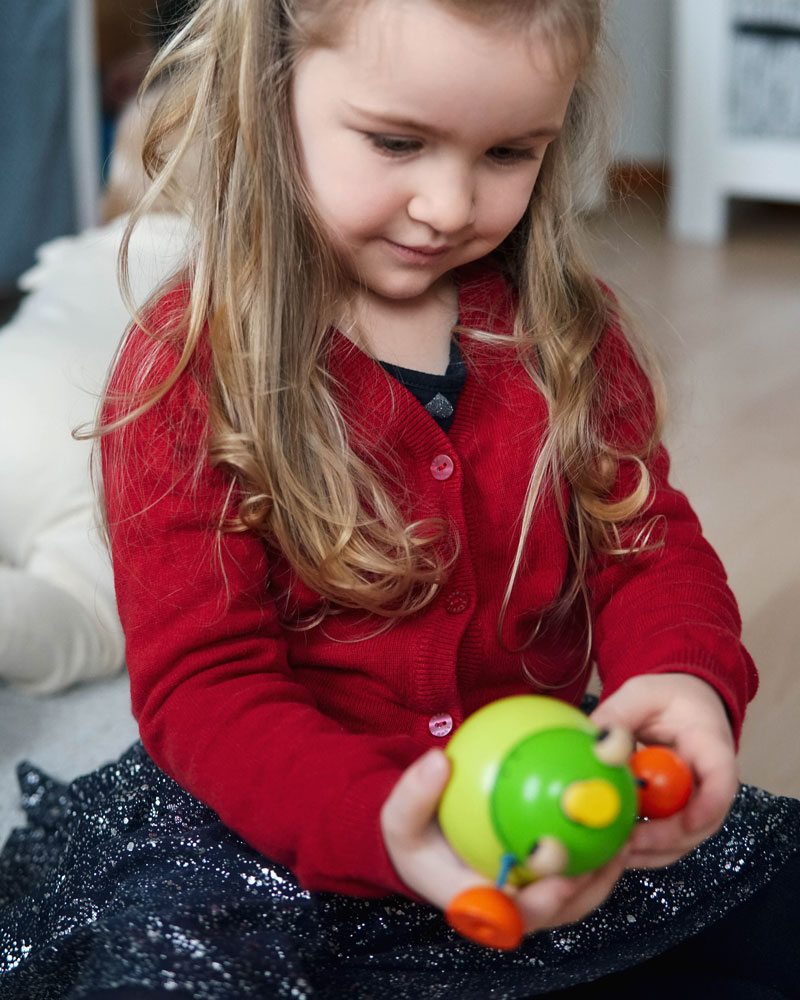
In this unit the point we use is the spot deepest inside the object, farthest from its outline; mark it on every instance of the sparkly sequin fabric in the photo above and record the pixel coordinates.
(122, 879)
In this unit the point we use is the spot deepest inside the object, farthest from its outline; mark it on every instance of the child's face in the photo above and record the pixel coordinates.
(422, 135)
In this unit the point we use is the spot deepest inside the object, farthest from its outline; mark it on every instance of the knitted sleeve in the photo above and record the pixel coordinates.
(669, 604)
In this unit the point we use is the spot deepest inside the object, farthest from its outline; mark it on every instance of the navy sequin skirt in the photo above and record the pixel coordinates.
(122, 879)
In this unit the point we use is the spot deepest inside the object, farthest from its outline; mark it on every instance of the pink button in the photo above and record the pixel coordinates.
(440, 725)
(442, 467)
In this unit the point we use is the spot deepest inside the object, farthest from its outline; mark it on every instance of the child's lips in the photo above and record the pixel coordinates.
(418, 253)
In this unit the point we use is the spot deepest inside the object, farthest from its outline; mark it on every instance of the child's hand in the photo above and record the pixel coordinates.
(686, 714)
(428, 866)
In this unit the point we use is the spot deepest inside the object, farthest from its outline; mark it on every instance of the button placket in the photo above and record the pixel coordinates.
(441, 725)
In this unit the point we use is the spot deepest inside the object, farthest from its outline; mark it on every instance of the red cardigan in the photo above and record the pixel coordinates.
(296, 737)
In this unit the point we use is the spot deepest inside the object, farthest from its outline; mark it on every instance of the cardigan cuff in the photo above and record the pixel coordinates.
(698, 662)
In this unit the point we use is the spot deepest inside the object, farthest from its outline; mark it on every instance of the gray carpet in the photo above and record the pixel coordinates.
(66, 734)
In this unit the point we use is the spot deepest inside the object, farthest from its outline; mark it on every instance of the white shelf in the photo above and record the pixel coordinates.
(709, 165)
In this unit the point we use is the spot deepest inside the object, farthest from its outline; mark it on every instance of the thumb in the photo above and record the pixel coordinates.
(414, 800)
(612, 714)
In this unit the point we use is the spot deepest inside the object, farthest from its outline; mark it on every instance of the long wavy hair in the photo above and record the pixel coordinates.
(264, 285)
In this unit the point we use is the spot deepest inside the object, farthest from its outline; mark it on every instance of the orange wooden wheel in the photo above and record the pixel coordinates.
(487, 916)
(666, 781)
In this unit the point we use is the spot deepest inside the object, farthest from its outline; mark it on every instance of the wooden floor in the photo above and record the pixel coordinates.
(727, 324)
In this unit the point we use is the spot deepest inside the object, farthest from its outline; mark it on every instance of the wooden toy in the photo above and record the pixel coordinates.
(537, 789)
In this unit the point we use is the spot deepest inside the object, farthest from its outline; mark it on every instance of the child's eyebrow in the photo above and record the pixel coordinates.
(381, 118)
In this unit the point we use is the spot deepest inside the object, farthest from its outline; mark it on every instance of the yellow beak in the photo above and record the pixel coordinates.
(594, 802)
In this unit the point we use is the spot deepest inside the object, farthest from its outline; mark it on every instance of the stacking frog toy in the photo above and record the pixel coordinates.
(536, 788)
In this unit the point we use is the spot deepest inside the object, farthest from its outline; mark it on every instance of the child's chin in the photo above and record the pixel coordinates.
(405, 287)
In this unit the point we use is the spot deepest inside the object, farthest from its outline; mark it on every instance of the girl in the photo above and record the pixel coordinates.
(383, 455)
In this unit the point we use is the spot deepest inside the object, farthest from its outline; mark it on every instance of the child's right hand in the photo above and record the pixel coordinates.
(426, 863)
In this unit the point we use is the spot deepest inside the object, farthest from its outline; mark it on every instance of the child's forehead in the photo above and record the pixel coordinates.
(415, 61)
(402, 25)
(570, 26)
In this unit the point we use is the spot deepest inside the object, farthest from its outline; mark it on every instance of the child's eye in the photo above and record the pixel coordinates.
(508, 155)
(393, 145)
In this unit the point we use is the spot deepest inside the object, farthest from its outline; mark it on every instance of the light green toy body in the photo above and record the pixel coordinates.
(525, 768)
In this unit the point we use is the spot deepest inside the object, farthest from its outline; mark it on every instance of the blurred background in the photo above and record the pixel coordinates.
(68, 68)
(699, 225)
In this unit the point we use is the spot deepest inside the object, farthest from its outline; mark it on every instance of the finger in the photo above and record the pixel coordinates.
(614, 746)
(412, 803)
(422, 857)
(623, 711)
(433, 871)
(716, 782)
(658, 836)
(595, 892)
(666, 839)
(657, 843)
(549, 857)
(560, 900)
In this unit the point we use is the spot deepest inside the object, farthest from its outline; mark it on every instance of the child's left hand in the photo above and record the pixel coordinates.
(685, 713)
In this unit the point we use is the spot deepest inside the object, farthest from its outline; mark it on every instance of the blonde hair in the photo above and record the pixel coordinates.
(264, 284)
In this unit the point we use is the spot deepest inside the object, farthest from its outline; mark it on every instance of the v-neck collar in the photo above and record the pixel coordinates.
(377, 407)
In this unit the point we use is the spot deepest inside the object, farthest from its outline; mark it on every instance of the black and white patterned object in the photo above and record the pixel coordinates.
(437, 393)
(440, 407)
(780, 13)
(765, 69)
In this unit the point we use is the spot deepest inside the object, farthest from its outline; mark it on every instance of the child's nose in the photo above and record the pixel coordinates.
(444, 199)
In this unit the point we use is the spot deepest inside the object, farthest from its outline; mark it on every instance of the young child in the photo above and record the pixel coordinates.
(381, 456)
